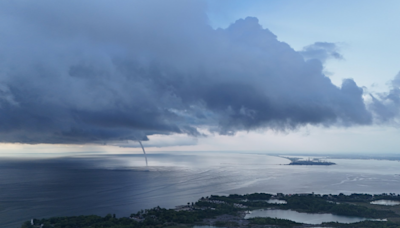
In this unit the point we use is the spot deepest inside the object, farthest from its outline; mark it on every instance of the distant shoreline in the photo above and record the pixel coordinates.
(311, 163)
(315, 161)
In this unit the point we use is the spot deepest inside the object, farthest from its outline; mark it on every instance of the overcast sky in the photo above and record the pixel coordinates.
(264, 76)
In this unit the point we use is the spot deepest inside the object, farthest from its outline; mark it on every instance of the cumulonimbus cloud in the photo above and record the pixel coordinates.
(95, 71)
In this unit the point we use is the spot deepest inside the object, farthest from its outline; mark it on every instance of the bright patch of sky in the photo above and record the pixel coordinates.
(366, 31)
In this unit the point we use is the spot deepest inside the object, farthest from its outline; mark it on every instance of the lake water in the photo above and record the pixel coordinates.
(307, 218)
(386, 202)
(120, 184)
(276, 201)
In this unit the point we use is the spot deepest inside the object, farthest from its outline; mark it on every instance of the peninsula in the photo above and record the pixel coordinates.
(315, 161)
(231, 211)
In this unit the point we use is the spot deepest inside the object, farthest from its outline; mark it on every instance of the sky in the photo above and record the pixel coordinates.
(250, 76)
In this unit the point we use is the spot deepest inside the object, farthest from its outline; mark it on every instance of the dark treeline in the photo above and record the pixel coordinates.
(273, 221)
(316, 204)
(93, 221)
(364, 224)
(210, 207)
(357, 197)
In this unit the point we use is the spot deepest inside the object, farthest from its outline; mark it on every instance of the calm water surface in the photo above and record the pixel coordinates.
(122, 185)
(307, 218)
(386, 202)
(276, 201)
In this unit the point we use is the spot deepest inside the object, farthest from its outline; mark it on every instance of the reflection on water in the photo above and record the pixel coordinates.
(307, 218)
(386, 202)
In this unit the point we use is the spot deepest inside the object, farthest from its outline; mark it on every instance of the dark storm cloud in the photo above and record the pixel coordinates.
(96, 71)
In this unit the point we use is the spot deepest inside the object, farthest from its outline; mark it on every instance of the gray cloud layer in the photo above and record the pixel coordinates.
(386, 106)
(321, 51)
(96, 71)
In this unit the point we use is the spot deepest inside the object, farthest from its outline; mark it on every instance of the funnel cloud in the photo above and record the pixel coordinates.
(144, 152)
(78, 72)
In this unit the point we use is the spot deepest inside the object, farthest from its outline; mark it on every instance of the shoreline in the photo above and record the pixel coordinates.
(230, 211)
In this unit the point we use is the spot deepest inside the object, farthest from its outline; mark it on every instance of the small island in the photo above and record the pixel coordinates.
(314, 161)
(235, 211)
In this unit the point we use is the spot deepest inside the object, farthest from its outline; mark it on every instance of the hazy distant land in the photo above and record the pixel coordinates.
(314, 161)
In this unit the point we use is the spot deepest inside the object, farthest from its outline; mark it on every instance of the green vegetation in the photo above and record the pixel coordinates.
(273, 221)
(317, 204)
(83, 222)
(158, 215)
(364, 224)
(225, 224)
(228, 211)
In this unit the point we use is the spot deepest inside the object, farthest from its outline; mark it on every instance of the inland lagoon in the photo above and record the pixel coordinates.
(300, 217)
(386, 202)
